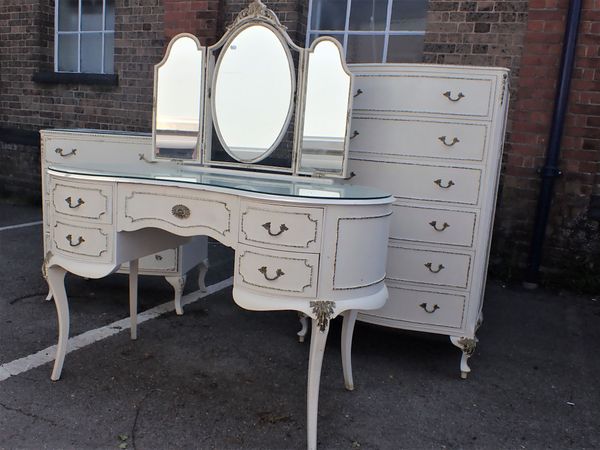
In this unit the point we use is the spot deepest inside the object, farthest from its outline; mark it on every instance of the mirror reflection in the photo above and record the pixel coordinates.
(252, 95)
(326, 109)
(178, 100)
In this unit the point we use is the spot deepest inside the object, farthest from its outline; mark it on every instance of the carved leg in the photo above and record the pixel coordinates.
(347, 332)
(304, 324)
(178, 283)
(56, 280)
(317, 349)
(202, 269)
(467, 345)
(133, 296)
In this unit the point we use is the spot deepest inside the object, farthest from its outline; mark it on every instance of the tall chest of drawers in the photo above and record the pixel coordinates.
(432, 136)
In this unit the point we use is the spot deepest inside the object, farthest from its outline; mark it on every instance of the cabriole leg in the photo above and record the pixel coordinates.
(467, 345)
(304, 324)
(133, 296)
(347, 333)
(318, 340)
(56, 280)
(178, 284)
(202, 269)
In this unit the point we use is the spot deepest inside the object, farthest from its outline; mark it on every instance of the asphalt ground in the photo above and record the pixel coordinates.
(225, 378)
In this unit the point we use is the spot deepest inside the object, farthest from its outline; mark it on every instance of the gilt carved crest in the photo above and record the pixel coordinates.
(256, 10)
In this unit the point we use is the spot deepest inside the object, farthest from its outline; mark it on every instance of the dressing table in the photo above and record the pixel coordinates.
(248, 138)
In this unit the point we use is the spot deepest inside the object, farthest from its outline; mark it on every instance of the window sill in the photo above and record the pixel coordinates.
(97, 79)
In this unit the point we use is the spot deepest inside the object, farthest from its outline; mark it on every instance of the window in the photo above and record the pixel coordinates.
(85, 36)
(371, 31)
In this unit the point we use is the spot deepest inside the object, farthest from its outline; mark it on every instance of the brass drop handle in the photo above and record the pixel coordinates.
(358, 92)
(427, 310)
(433, 223)
(69, 201)
(354, 134)
(448, 95)
(455, 140)
(439, 269)
(282, 228)
(143, 158)
(278, 273)
(62, 153)
(158, 257)
(439, 183)
(80, 240)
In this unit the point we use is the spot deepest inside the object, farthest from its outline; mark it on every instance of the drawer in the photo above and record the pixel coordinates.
(424, 94)
(419, 182)
(278, 272)
(165, 261)
(85, 241)
(422, 307)
(418, 138)
(435, 267)
(82, 200)
(281, 227)
(432, 225)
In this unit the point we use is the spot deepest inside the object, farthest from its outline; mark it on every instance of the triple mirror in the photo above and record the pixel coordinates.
(254, 100)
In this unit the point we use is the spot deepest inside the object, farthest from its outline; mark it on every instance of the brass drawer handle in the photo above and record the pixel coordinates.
(427, 310)
(143, 158)
(158, 257)
(80, 240)
(278, 273)
(435, 227)
(358, 92)
(439, 269)
(282, 228)
(62, 153)
(354, 134)
(448, 185)
(181, 211)
(455, 140)
(69, 201)
(448, 95)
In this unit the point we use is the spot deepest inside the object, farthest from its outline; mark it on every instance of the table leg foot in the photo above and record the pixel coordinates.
(178, 284)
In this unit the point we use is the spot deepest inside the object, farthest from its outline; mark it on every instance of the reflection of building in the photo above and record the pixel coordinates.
(497, 32)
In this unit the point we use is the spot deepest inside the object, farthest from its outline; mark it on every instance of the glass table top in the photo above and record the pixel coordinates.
(232, 179)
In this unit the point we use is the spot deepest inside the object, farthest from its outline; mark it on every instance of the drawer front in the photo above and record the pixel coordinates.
(437, 226)
(278, 272)
(418, 138)
(165, 261)
(419, 182)
(422, 307)
(438, 268)
(83, 201)
(88, 242)
(421, 94)
(280, 227)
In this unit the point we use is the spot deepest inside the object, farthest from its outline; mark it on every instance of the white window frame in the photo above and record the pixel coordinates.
(79, 32)
(386, 33)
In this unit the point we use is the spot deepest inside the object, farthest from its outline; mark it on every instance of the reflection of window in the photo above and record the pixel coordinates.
(85, 36)
(371, 31)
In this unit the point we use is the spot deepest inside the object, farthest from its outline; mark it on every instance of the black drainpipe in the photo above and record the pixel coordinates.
(550, 170)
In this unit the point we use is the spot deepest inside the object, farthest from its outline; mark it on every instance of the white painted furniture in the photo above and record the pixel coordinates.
(95, 148)
(432, 135)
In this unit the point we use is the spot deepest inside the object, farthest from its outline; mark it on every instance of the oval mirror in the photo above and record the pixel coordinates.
(253, 88)
(178, 99)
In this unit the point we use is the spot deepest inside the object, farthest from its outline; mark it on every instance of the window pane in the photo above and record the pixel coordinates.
(109, 53)
(328, 15)
(405, 49)
(68, 15)
(91, 53)
(365, 49)
(67, 52)
(408, 15)
(91, 15)
(368, 15)
(110, 15)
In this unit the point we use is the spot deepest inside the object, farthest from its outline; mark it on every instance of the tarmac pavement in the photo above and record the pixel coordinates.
(225, 378)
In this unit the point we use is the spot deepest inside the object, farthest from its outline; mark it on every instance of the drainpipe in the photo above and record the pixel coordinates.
(550, 170)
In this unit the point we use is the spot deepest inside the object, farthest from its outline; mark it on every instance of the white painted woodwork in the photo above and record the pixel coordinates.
(297, 229)
(420, 138)
(399, 115)
(82, 200)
